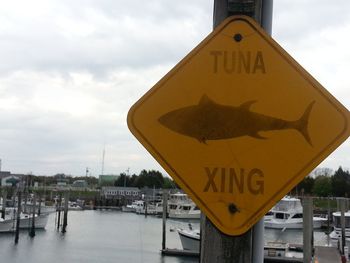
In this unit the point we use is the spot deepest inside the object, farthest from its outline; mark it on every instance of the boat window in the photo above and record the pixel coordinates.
(186, 208)
(298, 216)
(280, 215)
(196, 208)
(337, 221)
(347, 222)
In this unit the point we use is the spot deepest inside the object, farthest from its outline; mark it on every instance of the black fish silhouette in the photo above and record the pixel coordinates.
(211, 121)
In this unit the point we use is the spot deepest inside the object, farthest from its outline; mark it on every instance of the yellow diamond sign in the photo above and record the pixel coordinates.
(238, 123)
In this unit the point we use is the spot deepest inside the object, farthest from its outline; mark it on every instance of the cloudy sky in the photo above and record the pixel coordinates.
(70, 70)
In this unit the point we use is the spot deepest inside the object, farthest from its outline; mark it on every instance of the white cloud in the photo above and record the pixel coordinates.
(70, 71)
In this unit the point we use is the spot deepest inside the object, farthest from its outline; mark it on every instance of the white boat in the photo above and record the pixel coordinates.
(137, 204)
(335, 235)
(142, 208)
(43, 208)
(190, 239)
(9, 224)
(180, 206)
(288, 214)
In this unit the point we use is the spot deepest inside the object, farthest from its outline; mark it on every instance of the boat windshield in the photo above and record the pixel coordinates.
(337, 222)
(281, 216)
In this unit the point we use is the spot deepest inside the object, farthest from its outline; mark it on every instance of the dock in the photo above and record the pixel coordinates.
(327, 254)
(179, 252)
(322, 255)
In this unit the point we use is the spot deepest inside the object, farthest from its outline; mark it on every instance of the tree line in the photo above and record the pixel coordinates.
(146, 178)
(324, 183)
(151, 179)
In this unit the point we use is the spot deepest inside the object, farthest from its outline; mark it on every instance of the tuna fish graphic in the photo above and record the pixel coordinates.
(212, 121)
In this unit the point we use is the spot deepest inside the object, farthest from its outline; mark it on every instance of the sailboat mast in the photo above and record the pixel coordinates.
(103, 159)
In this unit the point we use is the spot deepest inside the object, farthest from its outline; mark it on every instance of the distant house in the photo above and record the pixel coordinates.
(122, 194)
(80, 184)
(9, 179)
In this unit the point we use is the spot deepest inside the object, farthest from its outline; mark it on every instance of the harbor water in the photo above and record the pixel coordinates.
(111, 236)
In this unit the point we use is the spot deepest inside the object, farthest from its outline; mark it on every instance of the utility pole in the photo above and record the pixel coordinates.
(249, 247)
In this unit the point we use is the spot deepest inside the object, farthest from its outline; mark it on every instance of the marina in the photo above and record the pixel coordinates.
(114, 236)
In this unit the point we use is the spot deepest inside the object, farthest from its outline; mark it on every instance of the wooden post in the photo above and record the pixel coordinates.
(307, 229)
(32, 229)
(4, 198)
(18, 216)
(25, 199)
(328, 221)
(165, 206)
(65, 215)
(59, 206)
(39, 206)
(146, 206)
(216, 246)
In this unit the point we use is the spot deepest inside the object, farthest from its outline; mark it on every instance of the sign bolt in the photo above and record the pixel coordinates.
(238, 37)
(232, 208)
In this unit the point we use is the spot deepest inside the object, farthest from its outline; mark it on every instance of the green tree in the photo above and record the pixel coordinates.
(168, 183)
(305, 186)
(340, 183)
(123, 180)
(322, 186)
(151, 178)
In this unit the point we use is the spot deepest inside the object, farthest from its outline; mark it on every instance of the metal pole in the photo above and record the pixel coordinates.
(307, 229)
(266, 16)
(258, 242)
(258, 229)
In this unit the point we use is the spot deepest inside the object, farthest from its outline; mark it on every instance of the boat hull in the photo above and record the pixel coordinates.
(9, 225)
(184, 215)
(273, 224)
(189, 240)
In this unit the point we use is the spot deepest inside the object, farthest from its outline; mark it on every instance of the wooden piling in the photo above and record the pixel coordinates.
(18, 216)
(59, 211)
(146, 206)
(4, 198)
(32, 228)
(39, 206)
(165, 206)
(232, 248)
(328, 221)
(342, 223)
(65, 214)
(25, 200)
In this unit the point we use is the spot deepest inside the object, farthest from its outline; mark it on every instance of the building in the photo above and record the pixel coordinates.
(121, 195)
(9, 179)
(79, 184)
(107, 180)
